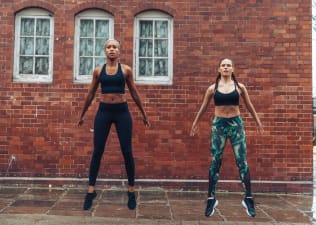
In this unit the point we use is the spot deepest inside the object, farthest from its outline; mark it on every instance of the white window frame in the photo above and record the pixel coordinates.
(153, 15)
(32, 78)
(88, 14)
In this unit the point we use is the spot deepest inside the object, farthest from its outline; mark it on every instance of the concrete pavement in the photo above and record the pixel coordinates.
(155, 206)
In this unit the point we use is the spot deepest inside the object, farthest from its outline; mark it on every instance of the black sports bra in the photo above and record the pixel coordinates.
(112, 83)
(231, 98)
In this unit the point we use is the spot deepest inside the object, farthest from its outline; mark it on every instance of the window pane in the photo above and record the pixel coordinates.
(146, 29)
(42, 46)
(27, 46)
(86, 28)
(161, 67)
(145, 67)
(86, 47)
(27, 27)
(99, 61)
(42, 27)
(26, 65)
(161, 29)
(145, 48)
(161, 48)
(41, 65)
(86, 66)
(99, 47)
(102, 28)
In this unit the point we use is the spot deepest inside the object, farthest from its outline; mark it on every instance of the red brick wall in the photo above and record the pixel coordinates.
(270, 42)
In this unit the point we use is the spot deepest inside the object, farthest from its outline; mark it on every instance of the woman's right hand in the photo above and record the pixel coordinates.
(193, 130)
(146, 122)
(80, 122)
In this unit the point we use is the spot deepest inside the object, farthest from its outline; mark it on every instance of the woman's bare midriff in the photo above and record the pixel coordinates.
(227, 111)
(113, 98)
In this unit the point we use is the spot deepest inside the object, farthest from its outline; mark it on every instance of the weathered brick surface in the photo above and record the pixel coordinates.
(270, 42)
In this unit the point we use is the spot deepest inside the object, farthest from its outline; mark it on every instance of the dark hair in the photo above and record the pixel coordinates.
(219, 74)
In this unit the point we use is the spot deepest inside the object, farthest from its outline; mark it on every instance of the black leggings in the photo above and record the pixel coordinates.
(120, 116)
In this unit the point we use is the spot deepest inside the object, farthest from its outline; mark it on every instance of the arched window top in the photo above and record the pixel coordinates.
(34, 12)
(94, 12)
(153, 13)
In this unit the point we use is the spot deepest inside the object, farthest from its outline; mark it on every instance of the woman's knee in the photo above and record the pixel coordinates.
(243, 172)
(128, 155)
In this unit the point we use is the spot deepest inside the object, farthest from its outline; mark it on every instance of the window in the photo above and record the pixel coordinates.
(33, 53)
(153, 51)
(92, 29)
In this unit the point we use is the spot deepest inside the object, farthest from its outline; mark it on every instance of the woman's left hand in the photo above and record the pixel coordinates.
(260, 129)
(146, 122)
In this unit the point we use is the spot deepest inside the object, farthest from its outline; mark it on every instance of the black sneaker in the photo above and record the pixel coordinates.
(249, 205)
(88, 200)
(131, 204)
(210, 206)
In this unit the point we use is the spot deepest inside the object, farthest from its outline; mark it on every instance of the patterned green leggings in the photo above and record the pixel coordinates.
(232, 128)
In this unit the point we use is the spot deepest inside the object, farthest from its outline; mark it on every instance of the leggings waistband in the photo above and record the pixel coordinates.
(223, 120)
(113, 107)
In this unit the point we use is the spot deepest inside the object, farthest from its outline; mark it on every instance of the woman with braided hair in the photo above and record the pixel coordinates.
(227, 124)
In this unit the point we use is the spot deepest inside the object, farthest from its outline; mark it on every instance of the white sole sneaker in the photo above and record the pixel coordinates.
(245, 206)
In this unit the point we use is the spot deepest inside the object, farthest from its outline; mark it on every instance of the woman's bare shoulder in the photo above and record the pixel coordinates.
(125, 67)
(127, 70)
(211, 88)
(97, 70)
(241, 85)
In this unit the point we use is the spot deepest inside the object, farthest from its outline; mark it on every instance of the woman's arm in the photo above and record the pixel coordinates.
(250, 107)
(134, 92)
(206, 100)
(91, 94)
